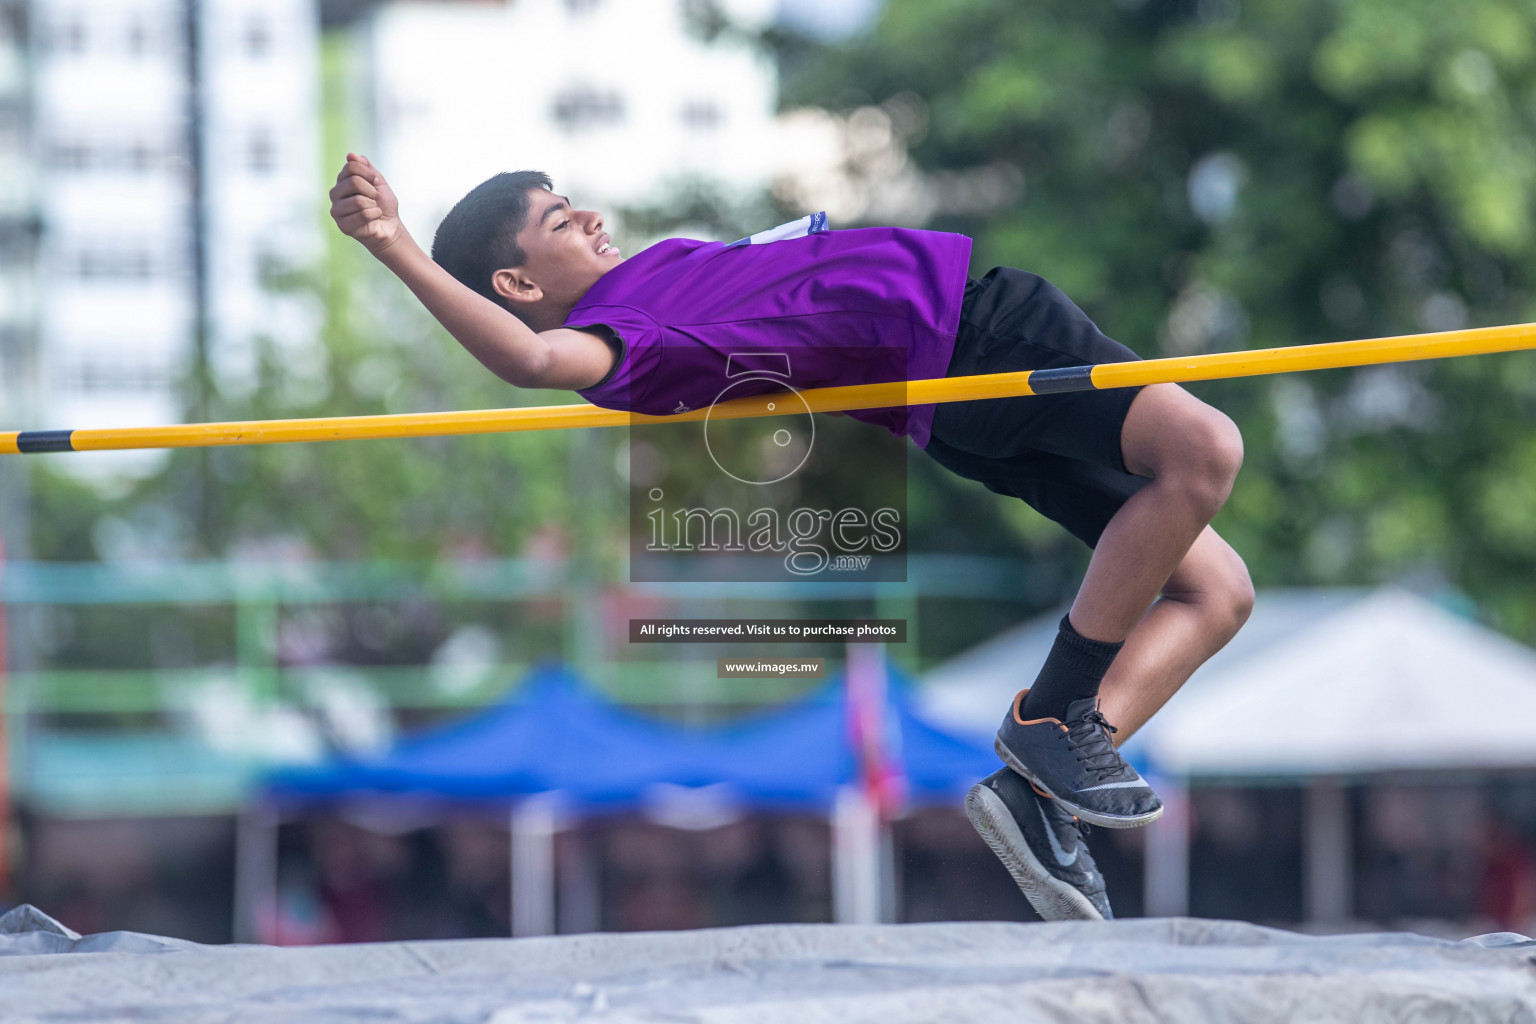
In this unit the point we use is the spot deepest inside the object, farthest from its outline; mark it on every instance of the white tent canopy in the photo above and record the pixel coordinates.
(1319, 682)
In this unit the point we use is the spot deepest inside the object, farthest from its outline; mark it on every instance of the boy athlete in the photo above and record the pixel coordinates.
(536, 291)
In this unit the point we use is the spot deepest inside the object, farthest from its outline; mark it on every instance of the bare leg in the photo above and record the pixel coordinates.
(1203, 605)
(1160, 546)
(1192, 453)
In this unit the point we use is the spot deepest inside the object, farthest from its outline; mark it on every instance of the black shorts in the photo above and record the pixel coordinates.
(1061, 452)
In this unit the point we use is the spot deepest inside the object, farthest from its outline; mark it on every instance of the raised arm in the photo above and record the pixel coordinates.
(365, 208)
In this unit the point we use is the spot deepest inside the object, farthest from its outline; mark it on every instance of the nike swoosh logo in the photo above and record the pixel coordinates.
(1133, 784)
(1061, 855)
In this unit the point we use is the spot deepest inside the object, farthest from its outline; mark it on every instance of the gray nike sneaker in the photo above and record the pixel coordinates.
(1042, 847)
(1073, 759)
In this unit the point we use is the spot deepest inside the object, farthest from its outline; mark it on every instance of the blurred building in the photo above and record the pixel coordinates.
(18, 267)
(616, 99)
(18, 212)
(263, 183)
(177, 150)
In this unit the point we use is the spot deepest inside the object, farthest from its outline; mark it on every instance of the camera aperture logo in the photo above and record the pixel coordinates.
(766, 497)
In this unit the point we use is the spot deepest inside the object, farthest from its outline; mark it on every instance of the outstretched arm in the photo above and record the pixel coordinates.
(365, 208)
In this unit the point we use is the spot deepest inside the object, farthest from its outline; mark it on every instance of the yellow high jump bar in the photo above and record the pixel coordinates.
(1213, 366)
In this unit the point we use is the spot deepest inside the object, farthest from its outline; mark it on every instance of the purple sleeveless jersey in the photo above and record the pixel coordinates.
(798, 306)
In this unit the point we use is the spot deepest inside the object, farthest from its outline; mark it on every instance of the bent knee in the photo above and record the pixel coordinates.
(1219, 585)
(1205, 460)
(1242, 595)
(1215, 447)
(1232, 593)
(1181, 441)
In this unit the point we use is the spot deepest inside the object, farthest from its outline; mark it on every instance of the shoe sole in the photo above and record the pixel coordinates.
(1053, 899)
(1092, 817)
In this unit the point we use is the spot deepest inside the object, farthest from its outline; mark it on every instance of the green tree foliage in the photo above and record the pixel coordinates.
(1215, 174)
(379, 352)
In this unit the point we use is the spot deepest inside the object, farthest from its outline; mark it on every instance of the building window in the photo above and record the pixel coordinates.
(69, 36)
(16, 248)
(702, 116)
(70, 156)
(13, 25)
(143, 157)
(257, 38)
(584, 107)
(260, 152)
(12, 137)
(112, 264)
(105, 373)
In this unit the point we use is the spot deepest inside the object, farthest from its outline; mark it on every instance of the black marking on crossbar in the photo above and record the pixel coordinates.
(31, 442)
(1061, 378)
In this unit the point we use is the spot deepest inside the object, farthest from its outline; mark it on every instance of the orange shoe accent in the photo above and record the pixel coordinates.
(1018, 704)
(1039, 791)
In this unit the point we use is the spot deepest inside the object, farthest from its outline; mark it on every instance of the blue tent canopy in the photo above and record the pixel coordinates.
(556, 735)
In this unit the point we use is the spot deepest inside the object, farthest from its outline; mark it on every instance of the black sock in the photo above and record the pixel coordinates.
(1073, 670)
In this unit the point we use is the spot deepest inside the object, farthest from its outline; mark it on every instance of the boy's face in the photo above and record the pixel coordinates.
(568, 250)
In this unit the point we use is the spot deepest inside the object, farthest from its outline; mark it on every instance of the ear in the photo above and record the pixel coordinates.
(514, 285)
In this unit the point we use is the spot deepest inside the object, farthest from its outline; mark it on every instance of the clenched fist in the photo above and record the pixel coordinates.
(364, 206)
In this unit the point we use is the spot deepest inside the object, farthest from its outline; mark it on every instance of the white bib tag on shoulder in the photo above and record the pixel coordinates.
(811, 224)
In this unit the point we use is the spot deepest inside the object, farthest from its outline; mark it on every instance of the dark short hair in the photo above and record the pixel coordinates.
(479, 235)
